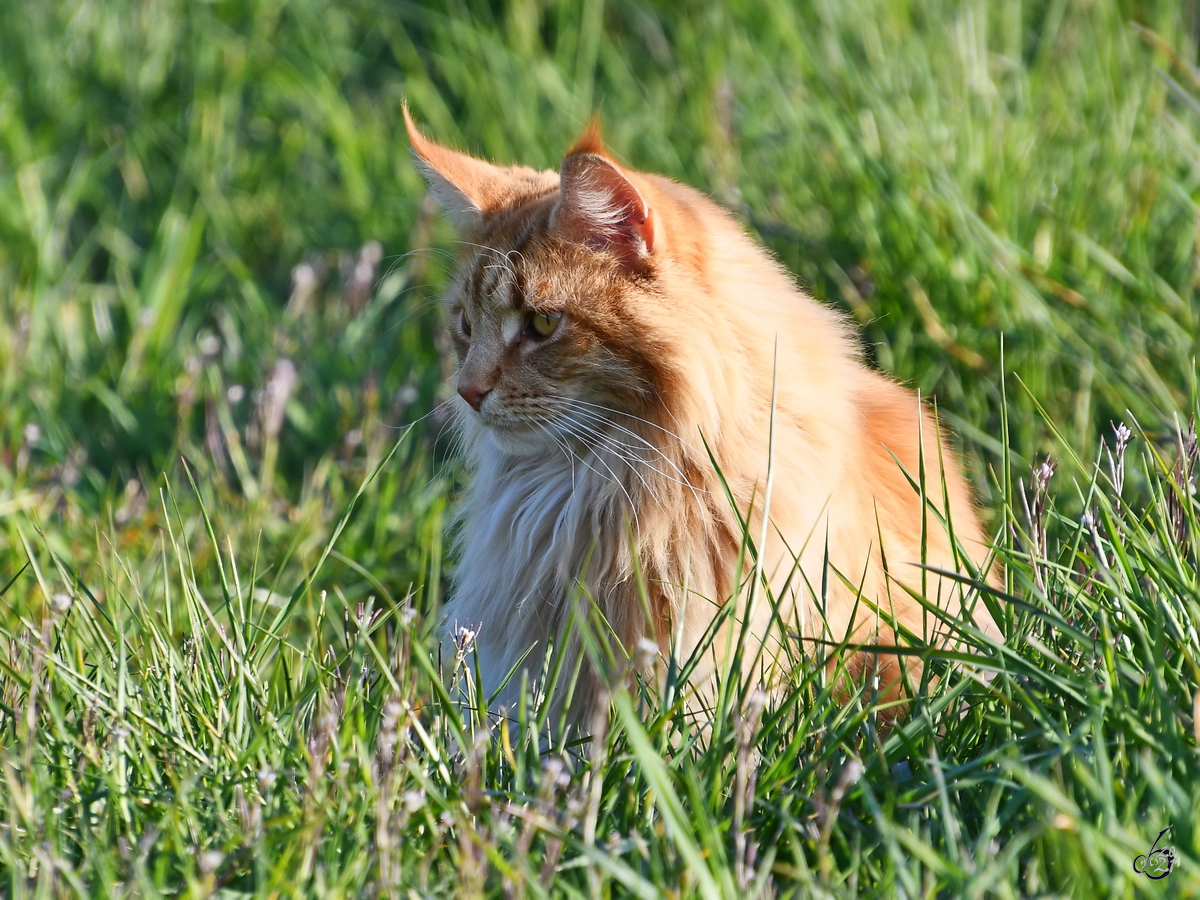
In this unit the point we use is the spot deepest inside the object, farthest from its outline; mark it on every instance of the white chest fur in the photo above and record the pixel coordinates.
(528, 527)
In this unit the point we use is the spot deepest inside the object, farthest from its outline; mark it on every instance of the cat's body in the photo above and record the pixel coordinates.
(667, 332)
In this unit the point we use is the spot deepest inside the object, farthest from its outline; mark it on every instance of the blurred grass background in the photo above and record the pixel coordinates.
(215, 256)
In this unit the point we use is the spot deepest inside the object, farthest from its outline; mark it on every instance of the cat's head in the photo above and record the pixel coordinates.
(556, 311)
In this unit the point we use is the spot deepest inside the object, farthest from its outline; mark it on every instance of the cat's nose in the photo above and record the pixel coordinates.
(473, 394)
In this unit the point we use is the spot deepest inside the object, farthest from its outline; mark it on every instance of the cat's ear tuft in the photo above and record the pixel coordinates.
(600, 206)
(590, 141)
(468, 189)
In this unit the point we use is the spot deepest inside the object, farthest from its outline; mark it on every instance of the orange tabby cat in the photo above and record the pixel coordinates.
(613, 329)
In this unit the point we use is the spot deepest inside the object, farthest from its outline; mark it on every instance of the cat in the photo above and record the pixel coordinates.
(627, 354)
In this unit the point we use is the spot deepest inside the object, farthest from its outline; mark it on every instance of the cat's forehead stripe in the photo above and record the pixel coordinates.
(493, 271)
(471, 282)
(499, 273)
(477, 273)
(495, 279)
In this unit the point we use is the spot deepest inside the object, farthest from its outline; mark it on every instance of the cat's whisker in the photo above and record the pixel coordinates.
(597, 417)
(508, 277)
(458, 442)
(560, 444)
(629, 415)
(625, 452)
(579, 407)
(583, 432)
(398, 259)
(564, 446)
(611, 477)
(627, 455)
(682, 480)
(650, 444)
(502, 255)
(458, 436)
(571, 455)
(414, 422)
(608, 423)
(615, 479)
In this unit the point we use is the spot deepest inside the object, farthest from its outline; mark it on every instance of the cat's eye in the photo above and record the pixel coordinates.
(464, 323)
(543, 325)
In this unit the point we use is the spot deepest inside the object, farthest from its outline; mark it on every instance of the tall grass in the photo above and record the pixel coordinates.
(220, 544)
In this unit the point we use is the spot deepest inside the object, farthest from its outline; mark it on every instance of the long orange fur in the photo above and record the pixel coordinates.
(672, 330)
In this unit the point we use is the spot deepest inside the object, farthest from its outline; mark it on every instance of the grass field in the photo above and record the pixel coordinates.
(224, 483)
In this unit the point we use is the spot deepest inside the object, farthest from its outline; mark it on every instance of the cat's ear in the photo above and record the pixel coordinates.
(600, 206)
(468, 189)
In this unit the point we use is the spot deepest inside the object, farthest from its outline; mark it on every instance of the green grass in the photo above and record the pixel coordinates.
(214, 675)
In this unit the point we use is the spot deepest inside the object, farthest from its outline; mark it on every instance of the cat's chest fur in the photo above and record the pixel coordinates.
(530, 531)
